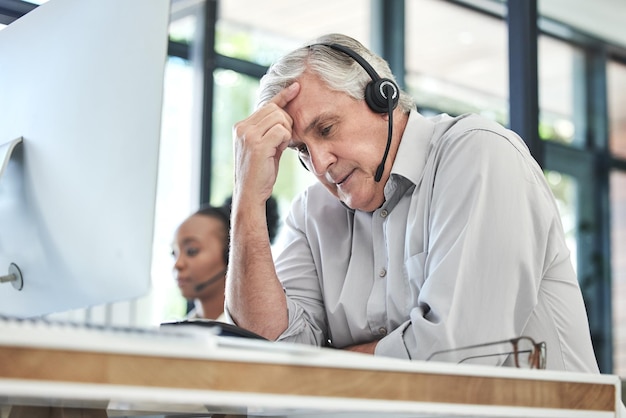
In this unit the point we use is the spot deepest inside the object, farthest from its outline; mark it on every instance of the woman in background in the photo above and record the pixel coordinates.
(200, 251)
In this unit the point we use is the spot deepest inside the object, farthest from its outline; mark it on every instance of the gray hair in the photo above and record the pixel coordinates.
(339, 71)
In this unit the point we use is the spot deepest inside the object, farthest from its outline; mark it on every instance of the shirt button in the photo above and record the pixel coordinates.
(382, 273)
(382, 331)
(384, 213)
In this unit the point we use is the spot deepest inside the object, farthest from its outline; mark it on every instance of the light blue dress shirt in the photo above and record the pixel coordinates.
(467, 248)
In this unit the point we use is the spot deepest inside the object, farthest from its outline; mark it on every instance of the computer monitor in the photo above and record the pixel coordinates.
(81, 82)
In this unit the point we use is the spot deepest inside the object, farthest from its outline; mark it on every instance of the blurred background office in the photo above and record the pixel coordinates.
(553, 70)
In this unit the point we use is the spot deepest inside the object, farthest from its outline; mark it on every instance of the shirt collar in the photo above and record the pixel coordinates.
(413, 149)
(408, 166)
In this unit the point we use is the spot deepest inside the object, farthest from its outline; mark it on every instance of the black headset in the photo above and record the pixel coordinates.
(381, 95)
(377, 90)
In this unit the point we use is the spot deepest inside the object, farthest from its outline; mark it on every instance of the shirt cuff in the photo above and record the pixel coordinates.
(393, 344)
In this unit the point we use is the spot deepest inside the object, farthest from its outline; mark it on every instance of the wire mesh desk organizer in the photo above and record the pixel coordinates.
(521, 352)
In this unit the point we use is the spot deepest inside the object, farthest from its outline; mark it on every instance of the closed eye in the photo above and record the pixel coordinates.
(191, 251)
(325, 131)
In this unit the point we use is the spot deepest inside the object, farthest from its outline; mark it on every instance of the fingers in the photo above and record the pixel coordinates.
(270, 124)
(260, 140)
(270, 116)
(286, 95)
(272, 112)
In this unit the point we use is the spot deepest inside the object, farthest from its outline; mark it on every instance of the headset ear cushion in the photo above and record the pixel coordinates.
(375, 95)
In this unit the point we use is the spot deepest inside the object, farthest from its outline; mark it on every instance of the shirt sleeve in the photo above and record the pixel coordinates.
(296, 268)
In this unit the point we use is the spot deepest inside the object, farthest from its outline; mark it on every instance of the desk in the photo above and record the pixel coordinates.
(130, 374)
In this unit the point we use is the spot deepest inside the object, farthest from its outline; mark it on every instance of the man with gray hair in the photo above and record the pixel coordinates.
(421, 235)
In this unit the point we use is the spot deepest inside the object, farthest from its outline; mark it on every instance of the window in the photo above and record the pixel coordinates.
(456, 60)
(234, 100)
(270, 28)
(618, 267)
(562, 112)
(565, 191)
(616, 81)
(177, 194)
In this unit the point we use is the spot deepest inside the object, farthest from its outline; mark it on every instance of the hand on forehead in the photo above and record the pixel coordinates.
(286, 95)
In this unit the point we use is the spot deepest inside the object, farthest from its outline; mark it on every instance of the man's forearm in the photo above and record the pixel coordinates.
(254, 296)
(366, 348)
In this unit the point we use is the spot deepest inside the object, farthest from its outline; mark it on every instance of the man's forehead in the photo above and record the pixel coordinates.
(305, 124)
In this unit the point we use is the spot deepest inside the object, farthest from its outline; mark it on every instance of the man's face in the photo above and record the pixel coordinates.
(340, 140)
